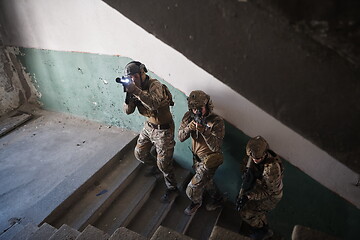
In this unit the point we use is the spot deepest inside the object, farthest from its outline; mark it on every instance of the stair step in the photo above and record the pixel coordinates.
(203, 222)
(14, 120)
(229, 219)
(225, 234)
(153, 211)
(163, 233)
(302, 232)
(65, 232)
(91, 233)
(127, 204)
(26, 232)
(176, 219)
(123, 233)
(83, 207)
(43, 233)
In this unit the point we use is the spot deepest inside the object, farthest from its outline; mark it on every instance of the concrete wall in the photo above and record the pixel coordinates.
(15, 88)
(260, 56)
(68, 28)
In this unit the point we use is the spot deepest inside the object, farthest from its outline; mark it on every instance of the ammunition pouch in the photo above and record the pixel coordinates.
(213, 160)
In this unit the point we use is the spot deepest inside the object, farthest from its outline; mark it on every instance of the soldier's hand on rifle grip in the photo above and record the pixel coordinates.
(130, 87)
(192, 126)
(200, 128)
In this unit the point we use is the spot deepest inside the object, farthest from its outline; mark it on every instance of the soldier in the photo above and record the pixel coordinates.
(207, 131)
(153, 100)
(262, 187)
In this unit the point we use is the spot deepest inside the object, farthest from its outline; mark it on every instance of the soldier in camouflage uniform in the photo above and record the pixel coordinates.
(207, 131)
(153, 100)
(266, 173)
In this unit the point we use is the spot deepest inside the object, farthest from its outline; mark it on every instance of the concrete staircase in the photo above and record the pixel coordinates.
(116, 200)
(65, 232)
(120, 202)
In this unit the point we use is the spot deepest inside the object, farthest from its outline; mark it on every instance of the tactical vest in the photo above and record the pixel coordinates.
(162, 115)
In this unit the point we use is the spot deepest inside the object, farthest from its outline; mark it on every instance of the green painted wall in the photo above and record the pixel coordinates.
(83, 84)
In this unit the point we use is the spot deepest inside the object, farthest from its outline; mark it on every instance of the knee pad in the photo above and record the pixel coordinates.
(189, 191)
(141, 155)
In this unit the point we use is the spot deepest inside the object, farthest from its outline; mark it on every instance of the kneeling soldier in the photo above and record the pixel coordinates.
(262, 187)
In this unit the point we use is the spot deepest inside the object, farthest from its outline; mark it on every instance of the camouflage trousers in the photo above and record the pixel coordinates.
(163, 142)
(201, 181)
(254, 212)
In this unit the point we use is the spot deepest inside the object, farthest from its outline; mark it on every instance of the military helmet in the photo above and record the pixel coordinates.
(257, 147)
(198, 99)
(134, 67)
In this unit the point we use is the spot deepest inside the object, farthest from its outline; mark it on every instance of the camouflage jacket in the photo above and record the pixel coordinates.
(152, 102)
(269, 181)
(210, 140)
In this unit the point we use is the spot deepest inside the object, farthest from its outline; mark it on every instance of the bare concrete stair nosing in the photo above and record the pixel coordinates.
(127, 204)
(91, 232)
(65, 232)
(123, 162)
(154, 211)
(176, 219)
(43, 233)
(203, 223)
(162, 233)
(222, 233)
(124, 233)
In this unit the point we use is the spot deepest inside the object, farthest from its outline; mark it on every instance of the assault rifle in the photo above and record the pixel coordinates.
(247, 184)
(198, 118)
(125, 81)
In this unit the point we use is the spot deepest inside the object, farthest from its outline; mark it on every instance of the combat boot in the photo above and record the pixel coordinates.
(215, 203)
(168, 193)
(192, 208)
(261, 233)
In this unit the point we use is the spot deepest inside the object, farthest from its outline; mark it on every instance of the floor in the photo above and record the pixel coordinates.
(43, 161)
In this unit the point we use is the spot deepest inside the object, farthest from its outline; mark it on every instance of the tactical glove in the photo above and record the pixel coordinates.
(192, 126)
(132, 89)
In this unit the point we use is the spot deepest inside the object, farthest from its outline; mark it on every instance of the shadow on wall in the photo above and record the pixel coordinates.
(83, 84)
(305, 201)
(308, 203)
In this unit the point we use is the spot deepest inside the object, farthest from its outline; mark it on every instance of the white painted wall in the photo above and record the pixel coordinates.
(94, 27)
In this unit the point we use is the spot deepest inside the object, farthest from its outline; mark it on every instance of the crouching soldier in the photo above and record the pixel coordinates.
(207, 131)
(153, 100)
(261, 188)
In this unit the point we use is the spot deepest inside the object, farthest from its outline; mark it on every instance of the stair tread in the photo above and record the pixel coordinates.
(176, 219)
(222, 233)
(91, 232)
(44, 232)
(169, 234)
(154, 211)
(203, 223)
(79, 213)
(127, 204)
(13, 121)
(124, 233)
(229, 218)
(302, 232)
(65, 232)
